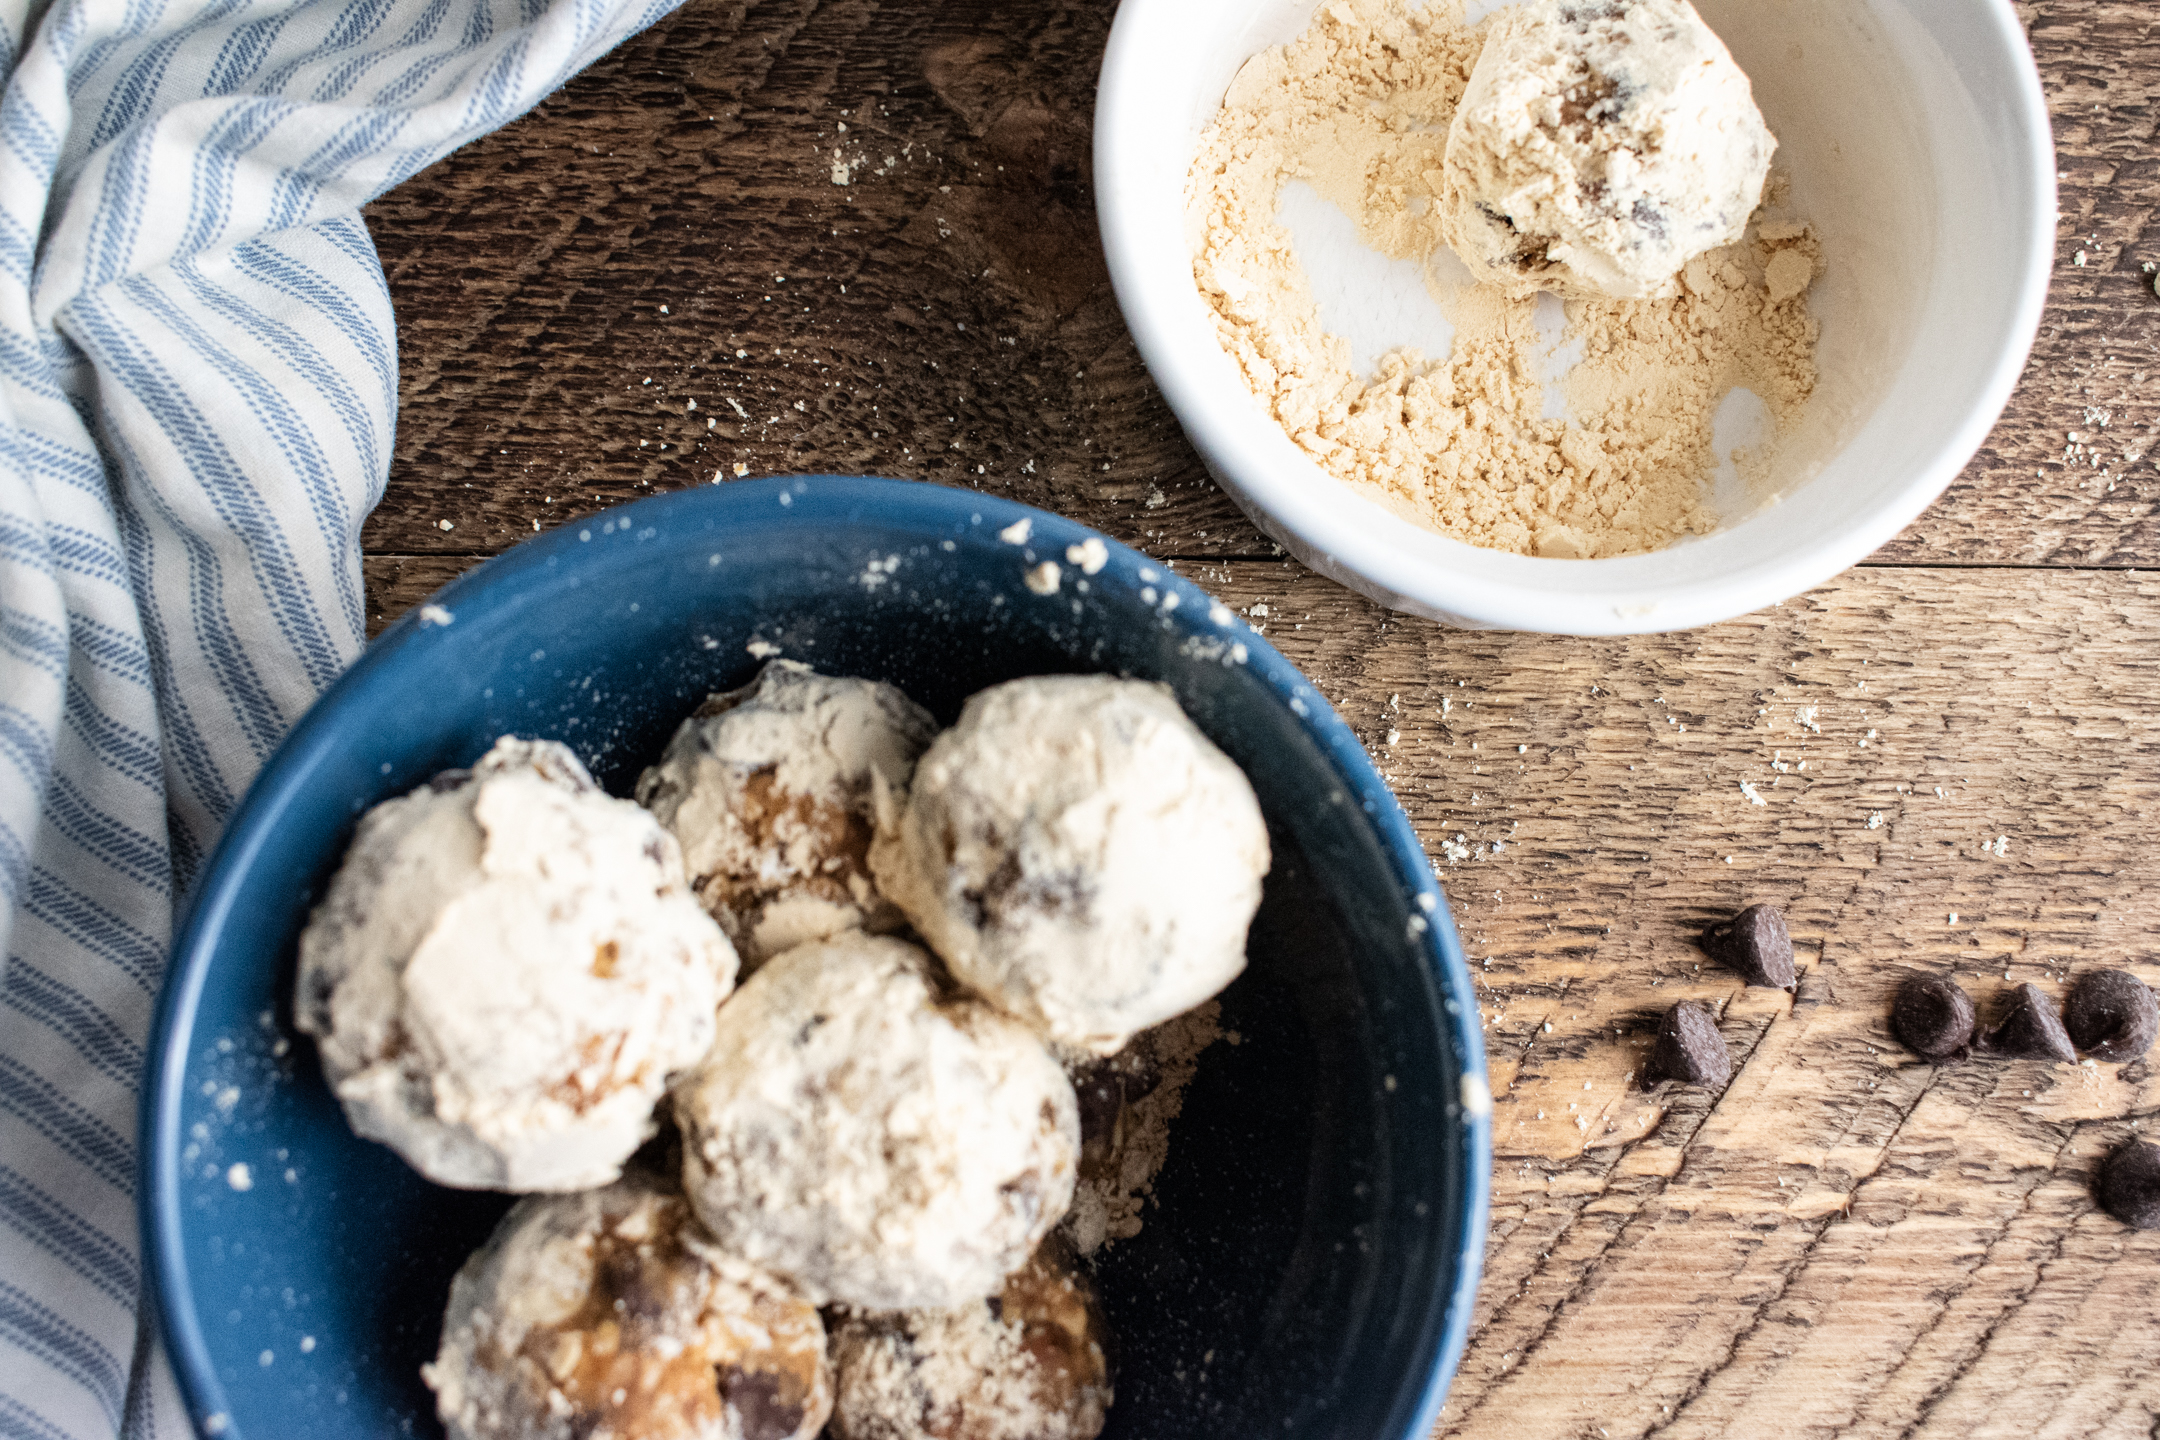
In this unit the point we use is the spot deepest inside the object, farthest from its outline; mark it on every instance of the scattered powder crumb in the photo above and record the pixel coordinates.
(1043, 578)
(1998, 847)
(1090, 555)
(1747, 788)
(762, 649)
(1017, 533)
(1358, 107)
(240, 1177)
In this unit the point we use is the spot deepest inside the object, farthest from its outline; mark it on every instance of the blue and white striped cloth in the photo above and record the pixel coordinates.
(198, 381)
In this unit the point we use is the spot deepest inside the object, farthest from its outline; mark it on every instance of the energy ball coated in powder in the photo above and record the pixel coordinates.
(505, 973)
(1079, 854)
(612, 1312)
(1600, 146)
(770, 790)
(872, 1135)
(1026, 1364)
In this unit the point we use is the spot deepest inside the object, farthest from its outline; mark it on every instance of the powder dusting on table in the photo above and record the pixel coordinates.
(1358, 107)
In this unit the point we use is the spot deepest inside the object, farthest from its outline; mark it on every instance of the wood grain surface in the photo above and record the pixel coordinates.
(1951, 750)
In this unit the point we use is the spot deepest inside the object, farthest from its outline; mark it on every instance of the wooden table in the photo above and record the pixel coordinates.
(1956, 743)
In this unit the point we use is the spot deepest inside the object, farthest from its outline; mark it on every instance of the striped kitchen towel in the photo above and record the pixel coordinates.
(198, 380)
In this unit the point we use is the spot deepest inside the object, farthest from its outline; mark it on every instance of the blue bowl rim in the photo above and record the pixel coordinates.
(487, 585)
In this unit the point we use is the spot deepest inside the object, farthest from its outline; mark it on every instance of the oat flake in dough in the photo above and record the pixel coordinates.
(874, 1136)
(769, 791)
(505, 972)
(1080, 854)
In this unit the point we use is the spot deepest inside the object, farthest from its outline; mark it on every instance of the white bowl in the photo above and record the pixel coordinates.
(1918, 145)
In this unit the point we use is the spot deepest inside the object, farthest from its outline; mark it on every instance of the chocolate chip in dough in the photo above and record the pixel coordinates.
(2111, 1015)
(2128, 1187)
(2032, 1030)
(1933, 1018)
(761, 1410)
(1756, 943)
(1689, 1048)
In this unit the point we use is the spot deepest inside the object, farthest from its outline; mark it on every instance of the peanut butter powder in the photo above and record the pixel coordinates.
(1358, 107)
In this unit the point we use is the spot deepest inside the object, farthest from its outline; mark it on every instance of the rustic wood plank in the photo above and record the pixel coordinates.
(569, 286)
(667, 230)
(2030, 497)
(1846, 1241)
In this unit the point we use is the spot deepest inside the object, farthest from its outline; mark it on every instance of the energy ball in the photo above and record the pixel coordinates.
(506, 972)
(872, 1134)
(1600, 146)
(612, 1313)
(1026, 1364)
(770, 788)
(1079, 854)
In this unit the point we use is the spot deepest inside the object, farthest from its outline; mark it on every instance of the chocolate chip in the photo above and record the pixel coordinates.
(2111, 1015)
(1689, 1048)
(760, 1413)
(1101, 1094)
(1756, 943)
(2128, 1187)
(2032, 1030)
(1932, 1017)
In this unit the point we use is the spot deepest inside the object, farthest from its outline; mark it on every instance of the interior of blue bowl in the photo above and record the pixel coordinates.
(1308, 1267)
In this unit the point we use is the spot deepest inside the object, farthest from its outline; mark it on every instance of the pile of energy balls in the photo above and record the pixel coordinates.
(826, 1194)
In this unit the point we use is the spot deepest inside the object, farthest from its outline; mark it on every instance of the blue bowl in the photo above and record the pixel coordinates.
(1309, 1267)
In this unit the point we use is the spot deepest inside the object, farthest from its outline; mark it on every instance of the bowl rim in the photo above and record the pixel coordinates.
(495, 584)
(1333, 528)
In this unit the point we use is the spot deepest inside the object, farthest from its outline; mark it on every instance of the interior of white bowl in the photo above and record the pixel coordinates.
(1917, 143)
